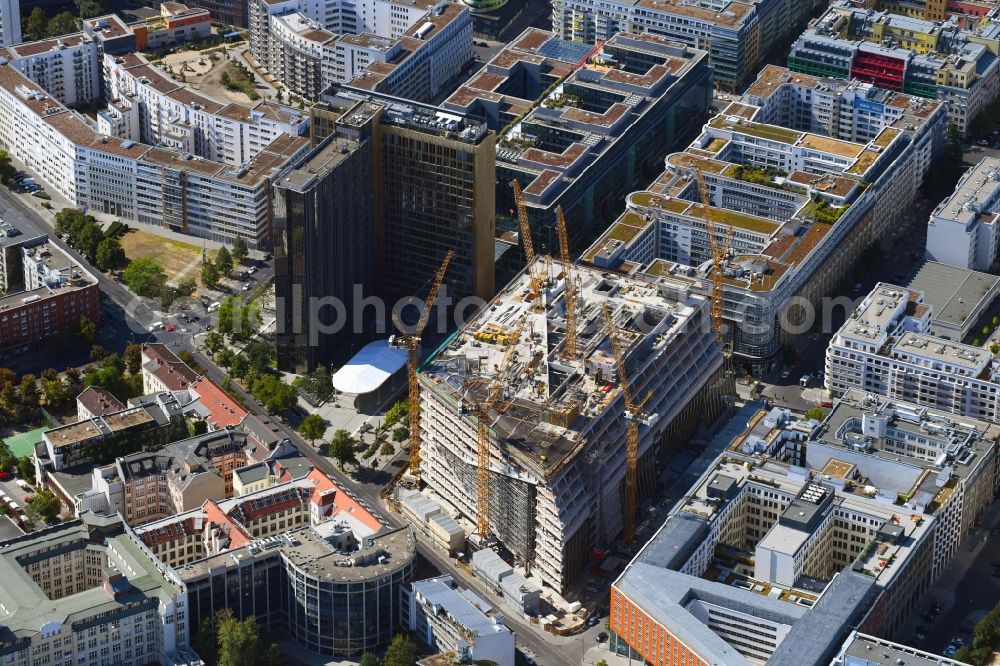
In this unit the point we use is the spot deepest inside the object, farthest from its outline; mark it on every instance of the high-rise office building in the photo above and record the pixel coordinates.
(323, 247)
(434, 173)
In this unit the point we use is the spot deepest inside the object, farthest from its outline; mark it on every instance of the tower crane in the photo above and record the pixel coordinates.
(569, 349)
(535, 287)
(719, 253)
(411, 343)
(481, 410)
(633, 415)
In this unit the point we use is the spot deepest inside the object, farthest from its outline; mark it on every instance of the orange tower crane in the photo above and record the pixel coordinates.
(529, 246)
(569, 349)
(411, 343)
(633, 415)
(481, 410)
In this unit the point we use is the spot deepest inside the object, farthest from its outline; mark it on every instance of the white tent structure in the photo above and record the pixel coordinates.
(372, 375)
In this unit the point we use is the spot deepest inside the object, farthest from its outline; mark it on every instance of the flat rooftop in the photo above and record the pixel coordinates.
(511, 330)
(956, 295)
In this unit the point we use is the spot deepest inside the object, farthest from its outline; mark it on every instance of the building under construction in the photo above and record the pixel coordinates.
(556, 411)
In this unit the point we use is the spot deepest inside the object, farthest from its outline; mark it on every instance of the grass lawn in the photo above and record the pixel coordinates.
(175, 256)
(23, 444)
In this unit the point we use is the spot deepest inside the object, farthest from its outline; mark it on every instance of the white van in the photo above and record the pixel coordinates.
(155, 326)
(804, 380)
(214, 306)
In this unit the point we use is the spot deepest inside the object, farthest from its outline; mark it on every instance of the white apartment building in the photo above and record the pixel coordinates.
(964, 230)
(457, 621)
(169, 114)
(418, 46)
(209, 199)
(886, 348)
(10, 22)
(557, 467)
(66, 67)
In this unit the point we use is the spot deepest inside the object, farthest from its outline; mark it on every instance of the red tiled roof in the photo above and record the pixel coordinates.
(223, 410)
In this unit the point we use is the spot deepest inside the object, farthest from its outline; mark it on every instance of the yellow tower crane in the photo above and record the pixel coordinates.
(481, 410)
(411, 343)
(535, 287)
(633, 415)
(719, 253)
(569, 349)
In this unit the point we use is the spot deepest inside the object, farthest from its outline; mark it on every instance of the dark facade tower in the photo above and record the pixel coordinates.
(323, 254)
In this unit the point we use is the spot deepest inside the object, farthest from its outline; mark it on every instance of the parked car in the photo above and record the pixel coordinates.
(171, 327)
(6, 476)
(785, 374)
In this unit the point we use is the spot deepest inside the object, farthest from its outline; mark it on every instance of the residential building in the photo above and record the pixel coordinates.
(86, 589)
(324, 208)
(217, 200)
(863, 650)
(224, 11)
(12, 244)
(96, 401)
(171, 115)
(178, 477)
(434, 181)
(270, 472)
(66, 67)
(769, 558)
(885, 347)
(579, 127)
(163, 371)
(929, 58)
(10, 22)
(57, 294)
(963, 229)
(922, 460)
(737, 34)
(805, 174)
(103, 438)
(405, 49)
(453, 620)
(961, 300)
(244, 553)
(558, 463)
(176, 24)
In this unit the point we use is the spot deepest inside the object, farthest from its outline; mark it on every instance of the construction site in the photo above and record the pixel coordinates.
(545, 419)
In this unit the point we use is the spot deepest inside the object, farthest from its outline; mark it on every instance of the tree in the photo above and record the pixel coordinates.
(368, 659)
(145, 276)
(400, 433)
(240, 250)
(26, 468)
(99, 353)
(86, 329)
(816, 414)
(56, 392)
(27, 393)
(320, 383)
(110, 256)
(227, 315)
(224, 261)
(7, 459)
(133, 358)
(88, 238)
(214, 342)
(274, 394)
(186, 286)
(602, 663)
(342, 448)
(90, 8)
(397, 413)
(6, 168)
(44, 505)
(61, 24)
(209, 275)
(387, 449)
(312, 427)
(402, 651)
(248, 323)
(37, 25)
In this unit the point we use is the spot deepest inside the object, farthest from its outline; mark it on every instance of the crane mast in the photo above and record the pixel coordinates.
(535, 285)
(633, 414)
(481, 410)
(719, 253)
(569, 348)
(411, 343)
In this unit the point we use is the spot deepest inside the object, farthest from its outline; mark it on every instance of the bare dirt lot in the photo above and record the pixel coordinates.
(178, 259)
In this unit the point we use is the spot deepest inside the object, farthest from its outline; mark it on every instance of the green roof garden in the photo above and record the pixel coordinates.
(737, 220)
